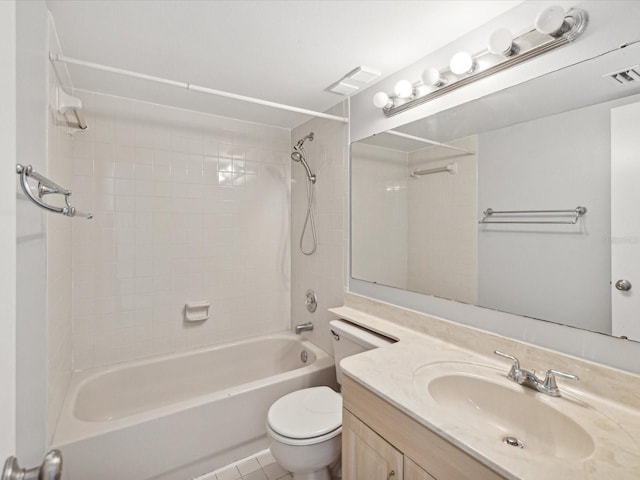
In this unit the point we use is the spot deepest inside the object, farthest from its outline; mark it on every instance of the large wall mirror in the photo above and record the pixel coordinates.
(553, 158)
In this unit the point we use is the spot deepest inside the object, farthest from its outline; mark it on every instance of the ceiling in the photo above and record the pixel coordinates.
(281, 51)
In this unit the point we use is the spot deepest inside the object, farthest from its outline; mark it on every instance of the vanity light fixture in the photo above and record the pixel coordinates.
(553, 28)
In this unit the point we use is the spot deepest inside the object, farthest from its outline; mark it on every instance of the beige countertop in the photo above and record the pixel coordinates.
(399, 374)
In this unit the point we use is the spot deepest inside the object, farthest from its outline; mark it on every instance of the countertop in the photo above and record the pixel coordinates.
(395, 373)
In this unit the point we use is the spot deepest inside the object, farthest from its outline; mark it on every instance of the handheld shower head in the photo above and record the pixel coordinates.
(298, 156)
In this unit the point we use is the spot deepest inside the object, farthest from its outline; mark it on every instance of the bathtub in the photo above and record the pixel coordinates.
(177, 417)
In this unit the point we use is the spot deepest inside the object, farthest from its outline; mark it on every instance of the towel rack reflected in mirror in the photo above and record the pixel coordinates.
(576, 213)
(47, 187)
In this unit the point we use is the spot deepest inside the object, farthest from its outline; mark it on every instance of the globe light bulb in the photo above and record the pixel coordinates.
(501, 42)
(461, 63)
(382, 100)
(550, 21)
(403, 89)
(432, 78)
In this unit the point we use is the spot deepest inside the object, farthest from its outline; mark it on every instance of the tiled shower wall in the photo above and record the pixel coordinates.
(442, 236)
(379, 228)
(188, 207)
(59, 248)
(325, 271)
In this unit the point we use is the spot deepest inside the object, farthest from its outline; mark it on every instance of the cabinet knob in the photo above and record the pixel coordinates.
(392, 474)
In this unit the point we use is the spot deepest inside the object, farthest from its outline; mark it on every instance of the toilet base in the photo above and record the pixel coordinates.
(317, 475)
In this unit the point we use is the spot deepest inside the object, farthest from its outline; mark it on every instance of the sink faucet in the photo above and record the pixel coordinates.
(547, 385)
(304, 327)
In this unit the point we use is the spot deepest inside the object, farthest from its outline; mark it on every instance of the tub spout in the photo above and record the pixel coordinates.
(304, 327)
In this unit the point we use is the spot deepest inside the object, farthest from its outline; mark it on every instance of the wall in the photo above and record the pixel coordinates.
(59, 248)
(188, 207)
(326, 270)
(379, 206)
(611, 24)
(540, 165)
(442, 238)
(8, 228)
(31, 311)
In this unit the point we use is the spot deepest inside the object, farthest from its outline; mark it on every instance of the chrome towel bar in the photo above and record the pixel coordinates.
(452, 168)
(47, 187)
(576, 213)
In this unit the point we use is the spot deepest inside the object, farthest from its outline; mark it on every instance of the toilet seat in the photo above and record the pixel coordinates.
(305, 417)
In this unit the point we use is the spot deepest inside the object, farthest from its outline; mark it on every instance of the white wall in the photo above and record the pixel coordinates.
(611, 24)
(556, 272)
(379, 206)
(31, 343)
(188, 207)
(442, 236)
(8, 229)
(325, 270)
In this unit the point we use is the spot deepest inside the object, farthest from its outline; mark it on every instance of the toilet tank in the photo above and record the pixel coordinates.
(350, 339)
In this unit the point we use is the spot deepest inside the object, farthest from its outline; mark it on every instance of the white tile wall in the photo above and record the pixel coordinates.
(324, 271)
(379, 205)
(188, 207)
(59, 247)
(442, 236)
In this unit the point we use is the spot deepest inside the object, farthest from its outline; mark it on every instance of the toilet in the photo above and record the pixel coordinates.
(305, 426)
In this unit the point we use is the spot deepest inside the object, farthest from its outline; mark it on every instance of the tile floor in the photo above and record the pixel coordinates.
(261, 466)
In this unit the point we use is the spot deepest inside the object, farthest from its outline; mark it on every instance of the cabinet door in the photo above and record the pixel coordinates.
(365, 454)
(414, 472)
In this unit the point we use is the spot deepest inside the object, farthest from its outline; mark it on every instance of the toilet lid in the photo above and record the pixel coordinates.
(306, 413)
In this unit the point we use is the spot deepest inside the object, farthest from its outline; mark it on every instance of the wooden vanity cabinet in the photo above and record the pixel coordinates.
(381, 442)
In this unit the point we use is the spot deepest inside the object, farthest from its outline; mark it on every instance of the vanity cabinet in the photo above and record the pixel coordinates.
(378, 439)
(366, 454)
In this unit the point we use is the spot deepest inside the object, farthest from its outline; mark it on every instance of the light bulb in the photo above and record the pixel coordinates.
(550, 21)
(381, 100)
(403, 89)
(501, 42)
(432, 77)
(462, 62)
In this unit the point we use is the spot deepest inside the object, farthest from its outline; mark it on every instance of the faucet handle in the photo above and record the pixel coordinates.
(515, 368)
(550, 385)
(516, 362)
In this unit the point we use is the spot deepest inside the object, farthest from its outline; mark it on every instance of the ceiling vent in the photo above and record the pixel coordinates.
(625, 76)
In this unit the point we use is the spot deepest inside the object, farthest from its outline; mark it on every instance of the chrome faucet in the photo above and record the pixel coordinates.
(304, 327)
(547, 385)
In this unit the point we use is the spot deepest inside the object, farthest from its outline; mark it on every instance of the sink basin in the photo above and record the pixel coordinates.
(481, 400)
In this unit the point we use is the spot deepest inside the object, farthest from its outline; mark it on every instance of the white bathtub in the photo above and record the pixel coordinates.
(179, 416)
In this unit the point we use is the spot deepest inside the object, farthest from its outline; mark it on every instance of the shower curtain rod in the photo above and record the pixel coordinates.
(55, 57)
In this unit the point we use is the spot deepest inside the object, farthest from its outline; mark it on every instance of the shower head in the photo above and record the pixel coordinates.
(302, 140)
(296, 156)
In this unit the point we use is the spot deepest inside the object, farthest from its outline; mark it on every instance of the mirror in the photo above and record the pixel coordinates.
(535, 155)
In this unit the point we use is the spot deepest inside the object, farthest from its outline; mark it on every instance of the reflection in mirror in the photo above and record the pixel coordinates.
(544, 145)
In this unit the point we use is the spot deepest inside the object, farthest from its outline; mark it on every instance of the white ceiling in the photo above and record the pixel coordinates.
(282, 51)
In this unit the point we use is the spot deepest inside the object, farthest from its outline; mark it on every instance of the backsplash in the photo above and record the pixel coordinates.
(188, 207)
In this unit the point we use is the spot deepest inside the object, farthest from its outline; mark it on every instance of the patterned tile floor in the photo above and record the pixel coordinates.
(262, 466)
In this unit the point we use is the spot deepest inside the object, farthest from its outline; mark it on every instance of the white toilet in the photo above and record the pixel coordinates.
(305, 426)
